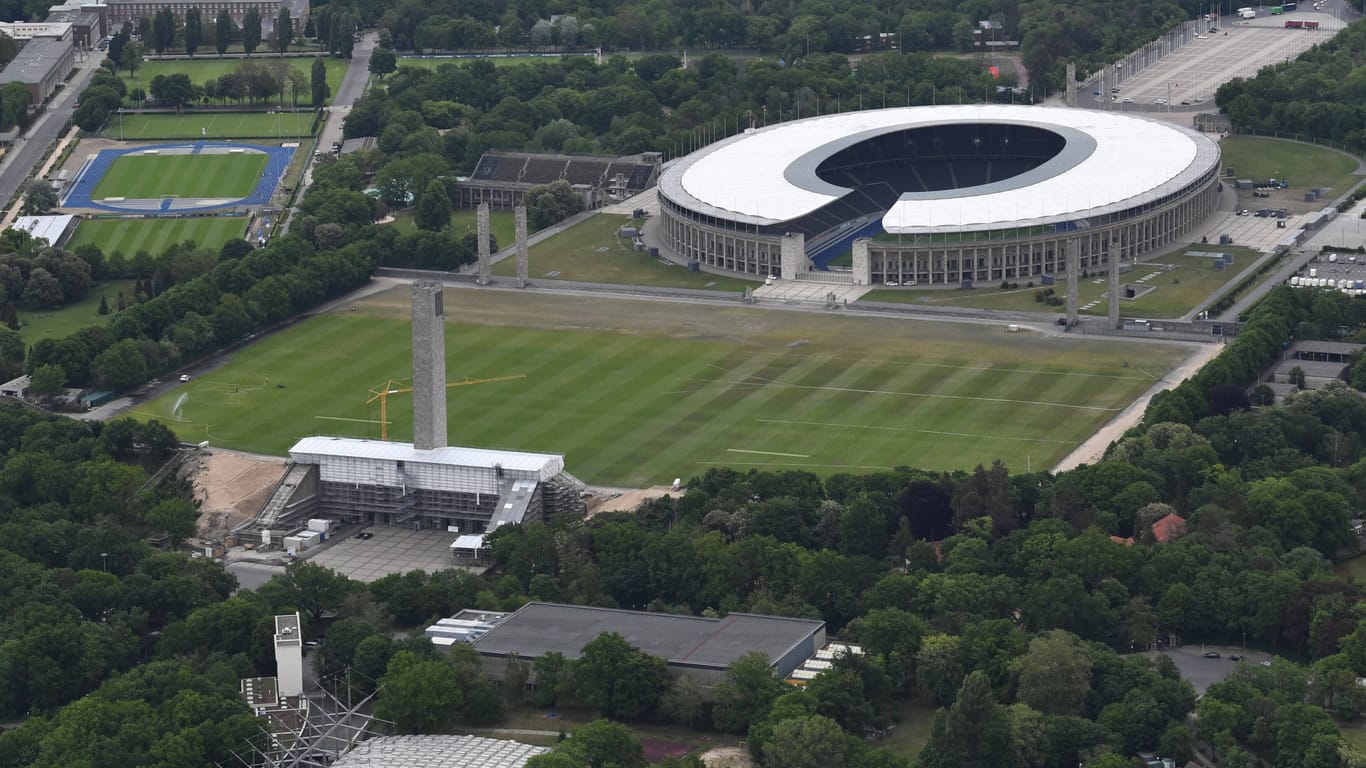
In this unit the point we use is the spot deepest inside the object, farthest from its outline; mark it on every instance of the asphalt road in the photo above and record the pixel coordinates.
(20, 161)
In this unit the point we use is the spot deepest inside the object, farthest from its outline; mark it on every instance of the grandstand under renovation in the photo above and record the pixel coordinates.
(502, 179)
(425, 484)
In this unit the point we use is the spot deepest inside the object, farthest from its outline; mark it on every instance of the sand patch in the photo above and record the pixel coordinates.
(231, 487)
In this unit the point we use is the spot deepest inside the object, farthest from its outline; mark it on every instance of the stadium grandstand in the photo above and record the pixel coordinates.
(936, 195)
(502, 179)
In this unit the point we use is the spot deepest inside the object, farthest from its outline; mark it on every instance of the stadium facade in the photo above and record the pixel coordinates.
(937, 195)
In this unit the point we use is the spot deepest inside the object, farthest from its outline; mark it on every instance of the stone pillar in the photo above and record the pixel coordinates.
(523, 260)
(793, 255)
(1115, 298)
(429, 366)
(482, 223)
(863, 270)
(1073, 272)
(1070, 96)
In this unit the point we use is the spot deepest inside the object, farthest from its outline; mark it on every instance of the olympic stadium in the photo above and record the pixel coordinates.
(937, 195)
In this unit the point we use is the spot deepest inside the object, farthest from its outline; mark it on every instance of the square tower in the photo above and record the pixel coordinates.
(429, 366)
(289, 656)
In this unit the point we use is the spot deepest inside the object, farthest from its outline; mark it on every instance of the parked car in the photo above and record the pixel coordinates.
(184, 377)
(1211, 654)
(1235, 657)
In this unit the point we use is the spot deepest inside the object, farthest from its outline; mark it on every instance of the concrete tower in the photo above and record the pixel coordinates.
(429, 366)
(289, 656)
(481, 217)
(523, 259)
(1114, 284)
(1070, 96)
(1073, 272)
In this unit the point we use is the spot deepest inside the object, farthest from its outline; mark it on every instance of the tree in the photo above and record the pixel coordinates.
(194, 30)
(132, 57)
(682, 703)
(319, 90)
(976, 731)
(46, 382)
(223, 30)
(382, 62)
(314, 589)
(42, 289)
(939, 668)
(618, 679)
(163, 30)
(39, 197)
(807, 742)
(251, 31)
(600, 744)
(173, 90)
(419, 695)
(746, 693)
(1055, 674)
(121, 367)
(433, 208)
(284, 31)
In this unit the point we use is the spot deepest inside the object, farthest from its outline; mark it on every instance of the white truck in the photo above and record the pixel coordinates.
(1247, 13)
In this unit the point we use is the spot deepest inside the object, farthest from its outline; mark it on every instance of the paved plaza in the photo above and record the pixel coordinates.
(810, 291)
(392, 550)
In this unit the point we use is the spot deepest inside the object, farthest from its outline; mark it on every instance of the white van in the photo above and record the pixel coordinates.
(1247, 13)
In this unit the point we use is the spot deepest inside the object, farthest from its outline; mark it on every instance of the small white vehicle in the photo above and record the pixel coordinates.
(184, 377)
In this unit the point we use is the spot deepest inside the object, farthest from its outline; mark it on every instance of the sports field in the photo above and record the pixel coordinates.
(209, 125)
(138, 177)
(128, 236)
(640, 392)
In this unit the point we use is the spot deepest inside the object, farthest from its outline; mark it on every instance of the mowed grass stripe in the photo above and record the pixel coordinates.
(128, 236)
(139, 177)
(614, 387)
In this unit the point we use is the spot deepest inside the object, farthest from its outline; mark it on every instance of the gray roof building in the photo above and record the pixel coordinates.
(694, 645)
(430, 751)
(41, 65)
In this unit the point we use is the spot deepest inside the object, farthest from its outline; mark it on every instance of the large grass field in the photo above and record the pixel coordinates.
(201, 70)
(1305, 165)
(128, 236)
(641, 392)
(1179, 290)
(148, 176)
(282, 126)
(60, 323)
(591, 251)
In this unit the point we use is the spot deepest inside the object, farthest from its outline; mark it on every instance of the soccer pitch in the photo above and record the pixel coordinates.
(209, 125)
(128, 236)
(639, 392)
(140, 177)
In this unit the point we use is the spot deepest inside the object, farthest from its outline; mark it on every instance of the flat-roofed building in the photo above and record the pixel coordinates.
(697, 646)
(132, 10)
(41, 66)
(23, 31)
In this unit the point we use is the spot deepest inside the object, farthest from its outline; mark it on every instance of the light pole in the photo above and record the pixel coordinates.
(120, 111)
(104, 559)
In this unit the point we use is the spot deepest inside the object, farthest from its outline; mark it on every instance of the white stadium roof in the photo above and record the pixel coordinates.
(1110, 162)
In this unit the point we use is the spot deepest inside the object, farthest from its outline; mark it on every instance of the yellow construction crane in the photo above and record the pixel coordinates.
(393, 387)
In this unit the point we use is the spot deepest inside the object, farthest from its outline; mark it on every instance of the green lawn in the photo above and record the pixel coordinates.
(211, 125)
(201, 70)
(60, 323)
(1353, 569)
(1178, 290)
(128, 236)
(501, 224)
(592, 252)
(637, 393)
(1254, 157)
(139, 177)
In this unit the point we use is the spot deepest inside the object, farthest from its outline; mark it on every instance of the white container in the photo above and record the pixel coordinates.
(318, 524)
(295, 543)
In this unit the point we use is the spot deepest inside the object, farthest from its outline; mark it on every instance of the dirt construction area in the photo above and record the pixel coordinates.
(230, 487)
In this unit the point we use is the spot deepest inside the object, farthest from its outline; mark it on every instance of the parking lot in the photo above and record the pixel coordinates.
(1248, 231)
(1203, 672)
(390, 550)
(1185, 74)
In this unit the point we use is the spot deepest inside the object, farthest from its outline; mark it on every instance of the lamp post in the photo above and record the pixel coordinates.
(120, 111)
(104, 559)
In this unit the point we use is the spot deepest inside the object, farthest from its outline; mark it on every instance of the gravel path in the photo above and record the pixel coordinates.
(1094, 448)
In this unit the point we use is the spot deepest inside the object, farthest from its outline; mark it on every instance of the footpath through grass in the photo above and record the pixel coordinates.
(1305, 165)
(151, 176)
(281, 126)
(1179, 290)
(128, 236)
(592, 251)
(637, 392)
